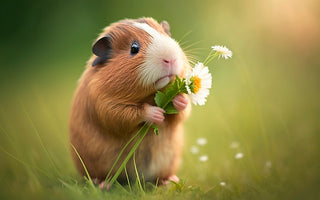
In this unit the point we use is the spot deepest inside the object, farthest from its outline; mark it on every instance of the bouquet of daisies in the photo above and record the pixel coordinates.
(196, 84)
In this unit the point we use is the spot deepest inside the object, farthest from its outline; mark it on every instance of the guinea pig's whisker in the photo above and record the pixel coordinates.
(190, 45)
(190, 54)
(192, 62)
(192, 58)
(184, 36)
(194, 49)
(183, 43)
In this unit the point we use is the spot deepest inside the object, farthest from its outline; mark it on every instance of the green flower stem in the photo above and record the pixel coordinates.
(142, 132)
(114, 177)
(207, 58)
(120, 154)
(178, 92)
(210, 58)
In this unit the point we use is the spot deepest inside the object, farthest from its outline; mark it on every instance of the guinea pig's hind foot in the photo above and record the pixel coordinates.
(173, 178)
(103, 185)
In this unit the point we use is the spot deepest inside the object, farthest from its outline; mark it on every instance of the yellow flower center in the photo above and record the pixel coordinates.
(197, 84)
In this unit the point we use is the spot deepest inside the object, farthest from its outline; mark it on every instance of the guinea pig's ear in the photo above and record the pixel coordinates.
(102, 48)
(166, 27)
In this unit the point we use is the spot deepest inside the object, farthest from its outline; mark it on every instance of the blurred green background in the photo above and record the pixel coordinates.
(265, 99)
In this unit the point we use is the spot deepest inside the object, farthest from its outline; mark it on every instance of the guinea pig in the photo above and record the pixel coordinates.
(131, 61)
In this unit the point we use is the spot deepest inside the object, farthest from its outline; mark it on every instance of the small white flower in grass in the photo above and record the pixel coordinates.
(223, 184)
(198, 82)
(203, 158)
(202, 141)
(234, 145)
(268, 164)
(222, 51)
(194, 149)
(238, 155)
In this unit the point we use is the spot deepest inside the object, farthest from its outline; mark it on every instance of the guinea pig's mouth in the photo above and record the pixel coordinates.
(163, 81)
(170, 76)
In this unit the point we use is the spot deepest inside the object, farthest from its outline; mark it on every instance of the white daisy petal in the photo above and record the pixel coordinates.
(194, 149)
(234, 145)
(268, 164)
(223, 183)
(203, 158)
(204, 78)
(187, 86)
(238, 155)
(202, 141)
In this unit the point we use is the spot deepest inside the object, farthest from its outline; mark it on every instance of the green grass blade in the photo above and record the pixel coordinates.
(84, 167)
(24, 163)
(136, 171)
(210, 58)
(125, 171)
(40, 140)
(7, 135)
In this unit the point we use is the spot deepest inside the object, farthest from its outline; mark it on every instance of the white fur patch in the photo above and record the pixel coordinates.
(161, 48)
(151, 31)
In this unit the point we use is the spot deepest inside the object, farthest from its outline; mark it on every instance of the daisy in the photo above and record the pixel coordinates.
(202, 141)
(234, 145)
(203, 158)
(268, 164)
(222, 51)
(198, 82)
(194, 150)
(238, 155)
(223, 183)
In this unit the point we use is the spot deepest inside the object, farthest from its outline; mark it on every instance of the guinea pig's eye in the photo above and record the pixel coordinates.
(135, 47)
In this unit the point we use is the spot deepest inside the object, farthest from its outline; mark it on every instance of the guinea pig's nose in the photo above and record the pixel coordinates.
(168, 63)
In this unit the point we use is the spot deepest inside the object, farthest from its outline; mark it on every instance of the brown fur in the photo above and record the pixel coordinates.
(109, 107)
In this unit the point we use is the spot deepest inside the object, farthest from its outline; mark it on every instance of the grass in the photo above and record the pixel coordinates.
(271, 112)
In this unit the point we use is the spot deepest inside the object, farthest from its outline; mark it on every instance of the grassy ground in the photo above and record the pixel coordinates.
(274, 122)
(264, 102)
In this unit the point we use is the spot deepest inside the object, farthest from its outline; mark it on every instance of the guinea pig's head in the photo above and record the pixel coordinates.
(138, 55)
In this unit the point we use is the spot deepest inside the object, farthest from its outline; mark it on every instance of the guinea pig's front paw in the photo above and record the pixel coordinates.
(154, 114)
(180, 102)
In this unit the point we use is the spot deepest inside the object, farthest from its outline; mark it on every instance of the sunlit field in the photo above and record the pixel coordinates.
(257, 137)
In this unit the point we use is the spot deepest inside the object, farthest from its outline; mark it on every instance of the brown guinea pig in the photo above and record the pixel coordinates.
(115, 96)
